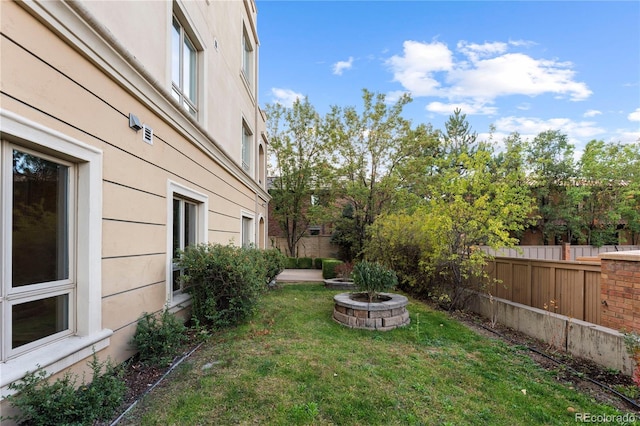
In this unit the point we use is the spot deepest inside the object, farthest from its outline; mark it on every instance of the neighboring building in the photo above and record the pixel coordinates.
(316, 241)
(129, 129)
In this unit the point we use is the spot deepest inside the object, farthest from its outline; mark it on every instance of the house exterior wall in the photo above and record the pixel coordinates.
(72, 73)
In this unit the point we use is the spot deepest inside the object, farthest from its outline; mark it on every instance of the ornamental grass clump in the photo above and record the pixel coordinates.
(372, 278)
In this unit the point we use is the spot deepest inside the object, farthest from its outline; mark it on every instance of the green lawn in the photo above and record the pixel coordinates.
(292, 364)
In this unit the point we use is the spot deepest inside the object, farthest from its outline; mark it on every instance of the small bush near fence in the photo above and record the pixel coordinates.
(329, 268)
(158, 340)
(292, 263)
(64, 402)
(224, 281)
(305, 263)
(317, 262)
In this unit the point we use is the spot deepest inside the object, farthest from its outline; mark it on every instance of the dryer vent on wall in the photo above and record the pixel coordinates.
(147, 134)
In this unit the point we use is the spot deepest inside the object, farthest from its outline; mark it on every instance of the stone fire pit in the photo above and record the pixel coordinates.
(387, 314)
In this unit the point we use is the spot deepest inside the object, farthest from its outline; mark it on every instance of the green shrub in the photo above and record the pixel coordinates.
(373, 278)
(409, 243)
(329, 268)
(317, 262)
(292, 263)
(344, 270)
(431, 255)
(225, 282)
(305, 263)
(158, 340)
(62, 402)
(275, 262)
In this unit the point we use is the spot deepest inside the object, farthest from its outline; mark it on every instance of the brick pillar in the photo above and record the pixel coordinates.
(566, 251)
(620, 290)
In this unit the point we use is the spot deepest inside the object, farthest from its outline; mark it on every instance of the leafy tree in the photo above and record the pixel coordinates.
(474, 199)
(610, 171)
(373, 146)
(457, 140)
(629, 205)
(300, 165)
(551, 172)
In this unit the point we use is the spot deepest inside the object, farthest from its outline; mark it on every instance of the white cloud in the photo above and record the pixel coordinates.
(285, 97)
(340, 66)
(475, 51)
(466, 108)
(592, 113)
(625, 136)
(635, 115)
(524, 43)
(530, 127)
(415, 69)
(483, 73)
(515, 74)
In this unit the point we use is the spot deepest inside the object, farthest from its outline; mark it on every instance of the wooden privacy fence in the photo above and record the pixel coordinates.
(556, 252)
(567, 288)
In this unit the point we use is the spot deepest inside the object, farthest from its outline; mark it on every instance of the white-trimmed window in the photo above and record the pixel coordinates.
(184, 67)
(187, 224)
(247, 58)
(247, 230)
(247, 137)
(50, 250)
(39, 280)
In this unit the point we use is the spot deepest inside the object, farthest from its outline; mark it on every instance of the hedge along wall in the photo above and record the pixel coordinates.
(620, 290)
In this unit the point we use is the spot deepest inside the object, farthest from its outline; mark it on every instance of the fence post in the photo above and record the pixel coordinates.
(566, 251)
(620, 290)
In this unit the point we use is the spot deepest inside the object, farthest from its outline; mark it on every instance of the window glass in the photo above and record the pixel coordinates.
(40, 234)
(189, 224)
(246, 57)
(189, 85)
(37, 319)
(246, 149)
(176, 226)
(246, 231)
(183, 68)
(175, 53)
(185, 225)
(175, 279)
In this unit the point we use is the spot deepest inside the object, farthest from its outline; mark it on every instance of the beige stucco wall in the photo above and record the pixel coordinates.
(57, 84)
(144, 28)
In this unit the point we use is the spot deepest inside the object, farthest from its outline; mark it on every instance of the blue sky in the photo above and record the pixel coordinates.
(521, 66)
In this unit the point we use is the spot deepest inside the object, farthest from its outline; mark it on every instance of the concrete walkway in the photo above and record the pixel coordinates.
(300, 275)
